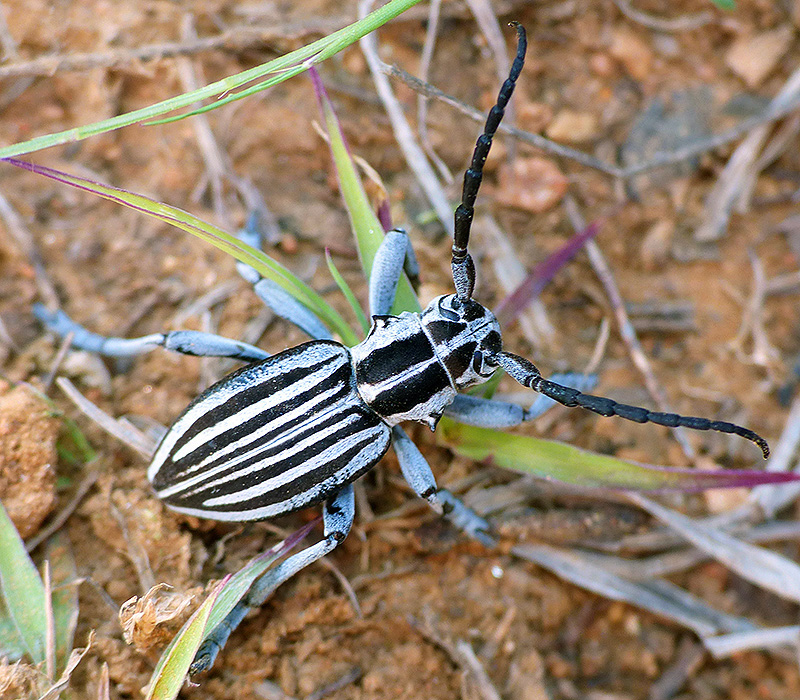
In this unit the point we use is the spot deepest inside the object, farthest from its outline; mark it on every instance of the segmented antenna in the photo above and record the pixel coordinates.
(526, 373)
(463, 267)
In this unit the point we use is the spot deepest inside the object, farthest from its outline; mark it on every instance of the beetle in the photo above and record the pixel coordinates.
(298, 428)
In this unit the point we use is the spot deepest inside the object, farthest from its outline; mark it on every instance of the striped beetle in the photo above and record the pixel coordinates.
(298, 428)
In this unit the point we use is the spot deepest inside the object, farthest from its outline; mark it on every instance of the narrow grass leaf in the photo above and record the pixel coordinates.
(23, 590)
(226, 242)
(11, 644)
(65, 595)
(554, 460)
(170, 672)
(283, 68)
(366, 226)
(345, 289)
(174, 663)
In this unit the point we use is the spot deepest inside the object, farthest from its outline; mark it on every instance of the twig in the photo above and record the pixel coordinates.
(770, 499)
(66, 344)
(50, 634)
(235, 39)
(58, 522)
(462, 656)
(422, 100)
(661, 24)
(510, 273)
(350, 677)
(752, 324)
(217, 166)
(659, 159)
(135, 439)
(728, 644)
(414, 155)
(27, 246)
(136, 553)
(733, 178)
(687, 660)
(627, 332)
(345, 584)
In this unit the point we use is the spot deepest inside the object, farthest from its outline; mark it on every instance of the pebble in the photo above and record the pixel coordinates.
(573, 127)
(753, 58)
(533, 184)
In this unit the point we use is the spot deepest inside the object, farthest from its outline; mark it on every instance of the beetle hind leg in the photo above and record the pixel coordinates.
(195, 343)
(337, 516)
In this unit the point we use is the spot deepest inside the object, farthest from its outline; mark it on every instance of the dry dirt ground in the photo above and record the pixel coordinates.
(592, 72)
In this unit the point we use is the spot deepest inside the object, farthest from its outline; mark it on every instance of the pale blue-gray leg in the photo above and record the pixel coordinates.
(492, 413)
(337, 516)
(185, 342)
(394, 254)
(417, 472)
(275, 296)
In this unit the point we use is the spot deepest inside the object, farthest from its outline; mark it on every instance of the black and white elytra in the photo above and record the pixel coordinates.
(298, 428)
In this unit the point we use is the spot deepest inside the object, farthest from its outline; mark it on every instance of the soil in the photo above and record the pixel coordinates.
(591, 73)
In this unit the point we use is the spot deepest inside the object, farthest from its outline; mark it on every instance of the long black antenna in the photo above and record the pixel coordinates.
(463, 267)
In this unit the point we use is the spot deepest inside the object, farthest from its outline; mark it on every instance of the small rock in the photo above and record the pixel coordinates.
(632, 52)
(753, 58)
(533, 184)
(657, 243)
(573, 127)
(534, 116)
(28, 433)
(601, 65)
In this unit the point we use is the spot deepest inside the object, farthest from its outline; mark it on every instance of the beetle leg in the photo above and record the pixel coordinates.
(497, 414)
(337, 516)
(276, 297)
(185, 342)
(394, 255)
(417, 472)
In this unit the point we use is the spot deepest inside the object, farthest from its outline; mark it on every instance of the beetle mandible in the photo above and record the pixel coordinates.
(298, 428)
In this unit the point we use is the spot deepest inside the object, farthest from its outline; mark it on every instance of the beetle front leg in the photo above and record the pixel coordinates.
(195, 343)
(393, 257)
(337, 516)
(276, 297)
(497, 414)
(417, 472)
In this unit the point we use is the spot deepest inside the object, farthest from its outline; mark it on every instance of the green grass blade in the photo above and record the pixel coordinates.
(313, 53)
(172, 667)
(226, 242)
(341, 282)
(366, 226)
(65, 596)
(22, 590)
(555, 460)
(11, 645)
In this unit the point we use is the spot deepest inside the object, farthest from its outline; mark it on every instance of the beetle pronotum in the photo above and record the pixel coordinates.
(298, 428)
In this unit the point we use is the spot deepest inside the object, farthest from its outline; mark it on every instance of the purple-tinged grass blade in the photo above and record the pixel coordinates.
(538, 278)
(554, 460)
(185, 221)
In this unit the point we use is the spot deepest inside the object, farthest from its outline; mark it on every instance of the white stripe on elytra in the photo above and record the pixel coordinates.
(370, 453)
(227, 471)
(252, 410)
(286, 477)
(223, 393)
(273, 426)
